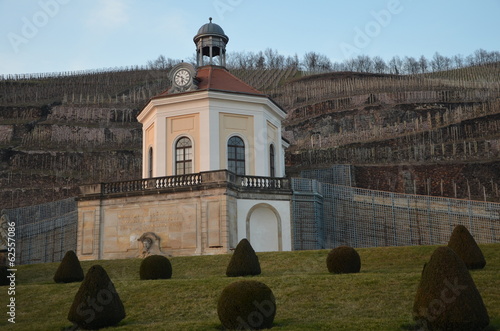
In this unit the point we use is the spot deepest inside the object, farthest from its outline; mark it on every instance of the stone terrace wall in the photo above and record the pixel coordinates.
(46, 152)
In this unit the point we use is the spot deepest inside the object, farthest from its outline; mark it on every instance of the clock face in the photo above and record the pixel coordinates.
(182, 77)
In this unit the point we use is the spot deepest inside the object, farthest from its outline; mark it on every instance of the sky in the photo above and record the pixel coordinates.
(66, 35)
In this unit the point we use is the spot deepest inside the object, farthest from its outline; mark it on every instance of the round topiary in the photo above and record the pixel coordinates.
(447, 297)
(155, 267)
(96, 304)
(69, 269)
(3, 276)
(462, 242)
(244, 261)
(248, 305)
(343, 260)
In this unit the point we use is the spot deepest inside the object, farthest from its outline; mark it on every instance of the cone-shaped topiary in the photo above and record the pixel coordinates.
(3, 276)
(447, 298)
(462, 242)
(343, 260)
(247, 305)
(155, 267)
(69, 269)
(244, 261)
(96, 304)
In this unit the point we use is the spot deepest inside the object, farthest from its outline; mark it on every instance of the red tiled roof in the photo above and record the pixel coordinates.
(220, 79)
(214, 78)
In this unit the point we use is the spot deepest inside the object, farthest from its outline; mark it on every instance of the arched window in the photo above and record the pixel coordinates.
(183, 156)
(272, 169)
(150, 162)
(236, 155)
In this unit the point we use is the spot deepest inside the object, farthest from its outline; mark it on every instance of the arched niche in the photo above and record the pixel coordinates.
(263, 228)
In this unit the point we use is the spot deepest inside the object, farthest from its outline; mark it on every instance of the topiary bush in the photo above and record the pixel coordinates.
(248, 305)
(155, 267)
(343, 260)
(3, 276)
(447, 297)
(244, 261)
(462, 242)
(69, 269)
(96, 304)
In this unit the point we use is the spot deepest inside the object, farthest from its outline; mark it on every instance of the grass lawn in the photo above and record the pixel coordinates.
(380, 297)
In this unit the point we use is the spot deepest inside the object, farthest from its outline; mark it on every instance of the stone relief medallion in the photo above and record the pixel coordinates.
(150, 245)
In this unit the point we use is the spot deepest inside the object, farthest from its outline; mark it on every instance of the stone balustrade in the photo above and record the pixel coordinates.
(188, 181)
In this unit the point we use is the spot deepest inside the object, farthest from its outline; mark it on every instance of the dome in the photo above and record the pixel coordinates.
(211, 29)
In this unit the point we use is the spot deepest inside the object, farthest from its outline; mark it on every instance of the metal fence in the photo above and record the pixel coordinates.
(45, 232)
(323, 216)
(327, 215)
(339, 174)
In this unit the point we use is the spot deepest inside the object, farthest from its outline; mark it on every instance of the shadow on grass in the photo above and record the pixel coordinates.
(494, 326)
(410, 327)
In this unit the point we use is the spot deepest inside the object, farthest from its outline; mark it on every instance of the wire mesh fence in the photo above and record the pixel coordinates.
(45, 232)
(340, 215)
(339, 174)
(323, 216)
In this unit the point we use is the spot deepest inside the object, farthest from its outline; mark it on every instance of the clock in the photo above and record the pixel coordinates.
(182, 77)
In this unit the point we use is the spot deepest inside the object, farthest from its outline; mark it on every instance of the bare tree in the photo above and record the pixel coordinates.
(316, 62)
(470, 60)
(162, 63)
(232, 61)
(339, 66)
(260, 60)
(274, 59)
(350, 65)
(410, 65)
(447, 64)
(324, 63)
(245, 60)
(481, 56)
(440, 62)
(395, 65)
(292, 62)
(495, 56)
(379, 65)
(458, 61)
(240, 60)
(271, 57)
(311, 61)
(423, 64)
(363, 63)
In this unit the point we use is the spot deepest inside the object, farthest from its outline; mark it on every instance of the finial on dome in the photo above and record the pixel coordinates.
(210, 19)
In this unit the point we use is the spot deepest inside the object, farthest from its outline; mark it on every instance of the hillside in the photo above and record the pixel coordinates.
(380, 297)
(59, 131)
(433, 133)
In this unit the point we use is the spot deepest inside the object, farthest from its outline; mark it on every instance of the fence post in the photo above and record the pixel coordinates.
(468, 188)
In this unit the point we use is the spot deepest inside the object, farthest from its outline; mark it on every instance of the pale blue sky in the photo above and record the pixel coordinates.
(66, 35)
